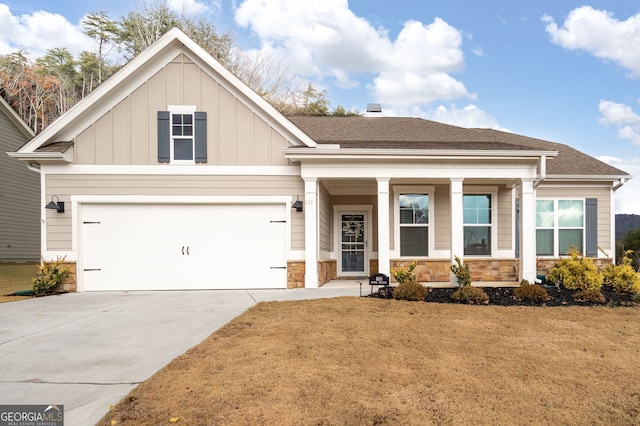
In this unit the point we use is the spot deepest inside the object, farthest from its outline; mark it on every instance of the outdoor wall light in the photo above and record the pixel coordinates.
(297, 205)
(56, 205)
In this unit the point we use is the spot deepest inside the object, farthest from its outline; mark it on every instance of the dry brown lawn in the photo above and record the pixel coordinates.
(16, 277)
(363, 361)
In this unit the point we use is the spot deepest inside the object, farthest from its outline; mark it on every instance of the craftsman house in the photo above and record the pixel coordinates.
(175, 175)
(19, 193)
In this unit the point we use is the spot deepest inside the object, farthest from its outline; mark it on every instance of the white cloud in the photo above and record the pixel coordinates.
(404, 88)
(187, 7)
(600, 34)
(38, 32)
(622, 116)
(627, 200)
(327, 41)
(470, 116)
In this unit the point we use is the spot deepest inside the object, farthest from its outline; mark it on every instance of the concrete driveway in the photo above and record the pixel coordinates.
(87, 351)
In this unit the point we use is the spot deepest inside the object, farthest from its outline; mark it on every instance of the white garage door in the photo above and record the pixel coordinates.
(175, 247)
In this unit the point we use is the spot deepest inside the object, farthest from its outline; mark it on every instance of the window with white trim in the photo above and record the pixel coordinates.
(560, 223)
(477, 219)
(182, 144)
(414, 224)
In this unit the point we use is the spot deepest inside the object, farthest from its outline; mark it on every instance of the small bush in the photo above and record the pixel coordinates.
(576, 273)
(49, 276)
(531, 292)
(410, 290)
(586, 295)
(461, 270)
(403, 275)
(470, 295)
(623, 277)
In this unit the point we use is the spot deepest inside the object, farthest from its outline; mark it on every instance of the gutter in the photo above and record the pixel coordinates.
(621, 182)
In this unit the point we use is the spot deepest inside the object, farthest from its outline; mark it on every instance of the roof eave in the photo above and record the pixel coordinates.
(42, 157)
(594, 177)
(361, 153)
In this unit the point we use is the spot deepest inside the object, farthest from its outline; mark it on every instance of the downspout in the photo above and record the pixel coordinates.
(619, 184)
(35, 167)
(543, 171)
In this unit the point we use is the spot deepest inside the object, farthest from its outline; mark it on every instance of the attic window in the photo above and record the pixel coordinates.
(182, 135)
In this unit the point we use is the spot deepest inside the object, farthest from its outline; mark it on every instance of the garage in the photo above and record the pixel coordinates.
(182, 246)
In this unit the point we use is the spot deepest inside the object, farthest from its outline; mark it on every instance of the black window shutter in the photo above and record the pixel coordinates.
(201, 136)
(591, 227)
(164, 137)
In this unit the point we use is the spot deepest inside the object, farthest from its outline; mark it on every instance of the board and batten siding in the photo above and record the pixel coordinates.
(601, 193)
(19, 195)
(127, 134)
(59, 226)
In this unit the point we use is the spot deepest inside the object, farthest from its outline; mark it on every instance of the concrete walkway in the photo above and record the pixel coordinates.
(87, 351)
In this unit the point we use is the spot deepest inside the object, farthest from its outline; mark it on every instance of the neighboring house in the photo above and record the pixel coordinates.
(19, 193)
(175, 175)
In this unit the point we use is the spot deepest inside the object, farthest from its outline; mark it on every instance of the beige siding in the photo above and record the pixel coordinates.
(505, 218)
(577, 190)
(59, 226)
(127, 134)
(442, 218)
(325, 220)
(20, 197)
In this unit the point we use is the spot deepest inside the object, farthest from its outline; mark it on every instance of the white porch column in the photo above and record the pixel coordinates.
(457, 223)
(384, 257)
(311, 232)
(527, 231)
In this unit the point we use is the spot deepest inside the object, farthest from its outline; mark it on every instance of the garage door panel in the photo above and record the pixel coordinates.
(166, 247)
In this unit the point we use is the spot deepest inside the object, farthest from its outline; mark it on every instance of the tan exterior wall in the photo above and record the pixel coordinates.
(505, 215)
(325, 220)
(59, 225)
(127, 134)
(576, 190)
(442, 218)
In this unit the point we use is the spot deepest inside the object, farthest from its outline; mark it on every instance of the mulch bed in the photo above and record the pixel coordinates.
(503, 296)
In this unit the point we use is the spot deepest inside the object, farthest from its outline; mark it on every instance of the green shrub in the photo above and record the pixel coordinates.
(470, 295)
(403, 275)
(623, 277)
(461, 270)
(531, 292)
(586, 295)
(576, 272)
(410, 290)
(49, 276)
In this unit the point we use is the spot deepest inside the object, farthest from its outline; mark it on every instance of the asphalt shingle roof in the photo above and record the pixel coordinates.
(416, 133)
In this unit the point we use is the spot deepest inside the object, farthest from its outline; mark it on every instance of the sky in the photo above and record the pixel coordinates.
(564, 71)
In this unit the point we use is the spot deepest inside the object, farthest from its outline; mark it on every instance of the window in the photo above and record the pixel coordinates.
(559, 225)
(414, 224)
(182, 135)
(477, 224)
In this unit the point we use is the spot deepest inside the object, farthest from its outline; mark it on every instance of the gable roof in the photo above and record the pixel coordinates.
(373, 133)
(139, 69)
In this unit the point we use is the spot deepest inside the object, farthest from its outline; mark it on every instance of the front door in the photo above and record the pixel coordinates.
(353, 244)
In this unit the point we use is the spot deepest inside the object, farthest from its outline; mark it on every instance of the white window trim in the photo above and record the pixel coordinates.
(428, 190)
(556, 227)
(181, 109)
(493, 191)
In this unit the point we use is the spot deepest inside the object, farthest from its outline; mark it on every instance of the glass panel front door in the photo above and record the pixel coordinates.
(353, 243)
